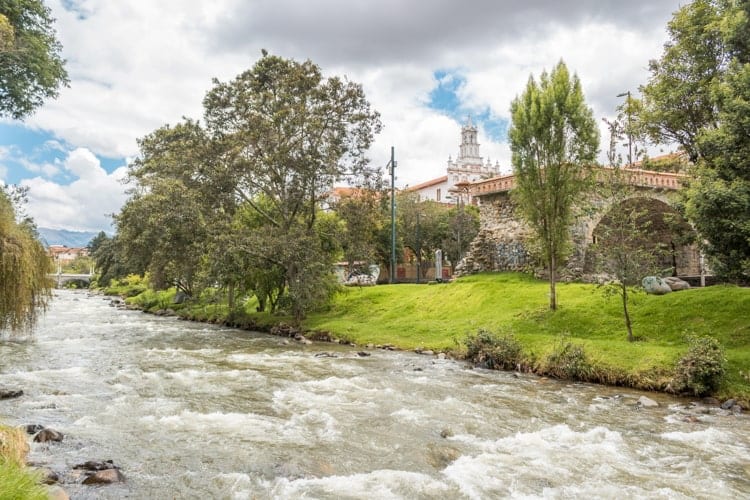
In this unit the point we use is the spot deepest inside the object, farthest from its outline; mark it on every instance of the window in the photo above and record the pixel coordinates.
(437, 195)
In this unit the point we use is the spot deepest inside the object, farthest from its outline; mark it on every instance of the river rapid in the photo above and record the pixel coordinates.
(190, 410)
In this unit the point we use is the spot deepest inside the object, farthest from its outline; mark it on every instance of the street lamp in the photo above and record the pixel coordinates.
(392, 168)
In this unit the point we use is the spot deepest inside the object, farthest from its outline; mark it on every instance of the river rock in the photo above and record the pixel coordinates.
(57, 493)
(645, 402)
(655, 286)
(95, 465)
(107, 476)
(10, 393)
(441, 355)
(710, 401)
(441, 456)
(676, 284)
(728, 404)
(46, 435)
(363, 354)
(428, 353)
(33, 428)
(48, 476)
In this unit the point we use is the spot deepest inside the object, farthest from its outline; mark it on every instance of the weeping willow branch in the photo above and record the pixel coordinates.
(25, 288)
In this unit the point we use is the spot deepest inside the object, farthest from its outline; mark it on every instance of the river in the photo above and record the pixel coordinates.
(191, 410)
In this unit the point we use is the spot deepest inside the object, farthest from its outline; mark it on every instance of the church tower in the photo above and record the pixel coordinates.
(469, 166)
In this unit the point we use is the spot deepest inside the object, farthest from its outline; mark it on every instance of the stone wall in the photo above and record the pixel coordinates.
(503, 239)
(500, 244)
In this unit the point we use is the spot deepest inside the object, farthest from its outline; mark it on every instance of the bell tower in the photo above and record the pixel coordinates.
(469, 149)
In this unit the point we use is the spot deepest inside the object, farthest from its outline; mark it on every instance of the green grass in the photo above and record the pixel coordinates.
(17, 481)
(440, 316)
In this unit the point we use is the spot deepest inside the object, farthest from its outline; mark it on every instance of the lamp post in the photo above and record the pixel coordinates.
(630, 130)
(392, 167)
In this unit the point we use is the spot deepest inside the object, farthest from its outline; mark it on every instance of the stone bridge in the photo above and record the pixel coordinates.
(503, 240)
(61, 279)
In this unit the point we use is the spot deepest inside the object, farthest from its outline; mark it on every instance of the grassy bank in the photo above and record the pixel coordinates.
(17, 481)
(439, 317)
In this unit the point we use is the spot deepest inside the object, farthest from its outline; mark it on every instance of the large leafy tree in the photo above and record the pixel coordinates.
(678, 103)
(164, 226)
(286, 134)
(698, 96)
(24, 284)
(553, 140)
(31, 66)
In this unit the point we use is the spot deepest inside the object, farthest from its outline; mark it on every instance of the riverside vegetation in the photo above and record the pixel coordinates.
(695, 341)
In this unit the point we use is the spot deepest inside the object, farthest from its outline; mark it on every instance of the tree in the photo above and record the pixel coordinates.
(698, 96)
(463, 226)
(24, 284)
(623, 250)
(31, 67)
(718, 200)
(285, 135)
(678, 103)
(553, 139)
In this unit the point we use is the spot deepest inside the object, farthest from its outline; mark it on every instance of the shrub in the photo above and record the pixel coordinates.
(496, 352)
(701, 369)
(568, 361)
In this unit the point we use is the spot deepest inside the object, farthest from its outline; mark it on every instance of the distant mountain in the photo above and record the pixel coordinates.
(71, 239)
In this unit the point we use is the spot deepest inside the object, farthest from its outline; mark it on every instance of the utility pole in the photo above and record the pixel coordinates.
(392, 165)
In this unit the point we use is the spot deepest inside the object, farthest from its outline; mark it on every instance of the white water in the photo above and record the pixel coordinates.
(196, 411)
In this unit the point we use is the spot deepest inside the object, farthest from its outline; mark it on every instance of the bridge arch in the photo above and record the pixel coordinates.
(664, 230)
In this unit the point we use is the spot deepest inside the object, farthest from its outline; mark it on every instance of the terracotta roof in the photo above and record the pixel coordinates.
(427, 184)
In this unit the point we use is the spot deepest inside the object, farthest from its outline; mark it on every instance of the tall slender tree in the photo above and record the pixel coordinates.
(554, 139)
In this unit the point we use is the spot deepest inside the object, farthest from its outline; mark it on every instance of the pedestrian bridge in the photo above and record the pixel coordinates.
(62, 279)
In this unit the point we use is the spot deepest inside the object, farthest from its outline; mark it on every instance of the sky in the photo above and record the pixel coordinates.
(425, 65)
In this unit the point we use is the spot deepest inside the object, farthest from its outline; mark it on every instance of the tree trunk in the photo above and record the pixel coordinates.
(626, 313)
(552, 279)
(230, 297)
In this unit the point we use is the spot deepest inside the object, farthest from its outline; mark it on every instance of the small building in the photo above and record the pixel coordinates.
(64, 255)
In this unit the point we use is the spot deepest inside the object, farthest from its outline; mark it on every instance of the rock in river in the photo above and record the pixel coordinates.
(48, 435)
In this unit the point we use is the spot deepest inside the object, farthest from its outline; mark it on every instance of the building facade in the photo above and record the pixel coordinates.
(468, 167)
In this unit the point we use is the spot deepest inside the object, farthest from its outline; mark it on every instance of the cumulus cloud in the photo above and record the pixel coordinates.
(135, 66)
(85, 204)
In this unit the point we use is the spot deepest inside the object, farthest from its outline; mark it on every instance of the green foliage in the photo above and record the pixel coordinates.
(701, 369)
(31, 67)
(130, 286)
(24, 285)
(699, 96)
(496, 352)
(568, 361)
(553, 140)
(18, 482)
(678, 101)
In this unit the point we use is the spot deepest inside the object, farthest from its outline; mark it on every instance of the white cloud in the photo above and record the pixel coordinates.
(135, 66)
(85, 203)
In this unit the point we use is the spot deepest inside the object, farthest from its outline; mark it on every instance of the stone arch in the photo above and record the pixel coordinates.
(666, 229)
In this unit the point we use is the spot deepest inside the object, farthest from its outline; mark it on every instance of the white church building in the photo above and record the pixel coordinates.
(468, 167)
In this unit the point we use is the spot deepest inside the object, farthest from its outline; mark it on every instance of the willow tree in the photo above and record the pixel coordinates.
(553, 139)
(24, 285)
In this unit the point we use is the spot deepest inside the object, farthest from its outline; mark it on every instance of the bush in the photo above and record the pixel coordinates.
(496, 352)
(568, 361)
(701, 369)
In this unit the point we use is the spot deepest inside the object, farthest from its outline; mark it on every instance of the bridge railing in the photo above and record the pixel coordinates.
(638, 177)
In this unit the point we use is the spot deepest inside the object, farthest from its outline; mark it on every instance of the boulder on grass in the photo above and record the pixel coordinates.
(676, 284)
(654, 285)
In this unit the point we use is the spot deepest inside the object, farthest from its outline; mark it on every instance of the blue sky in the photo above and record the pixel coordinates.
(135, 66)
(446, 99)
